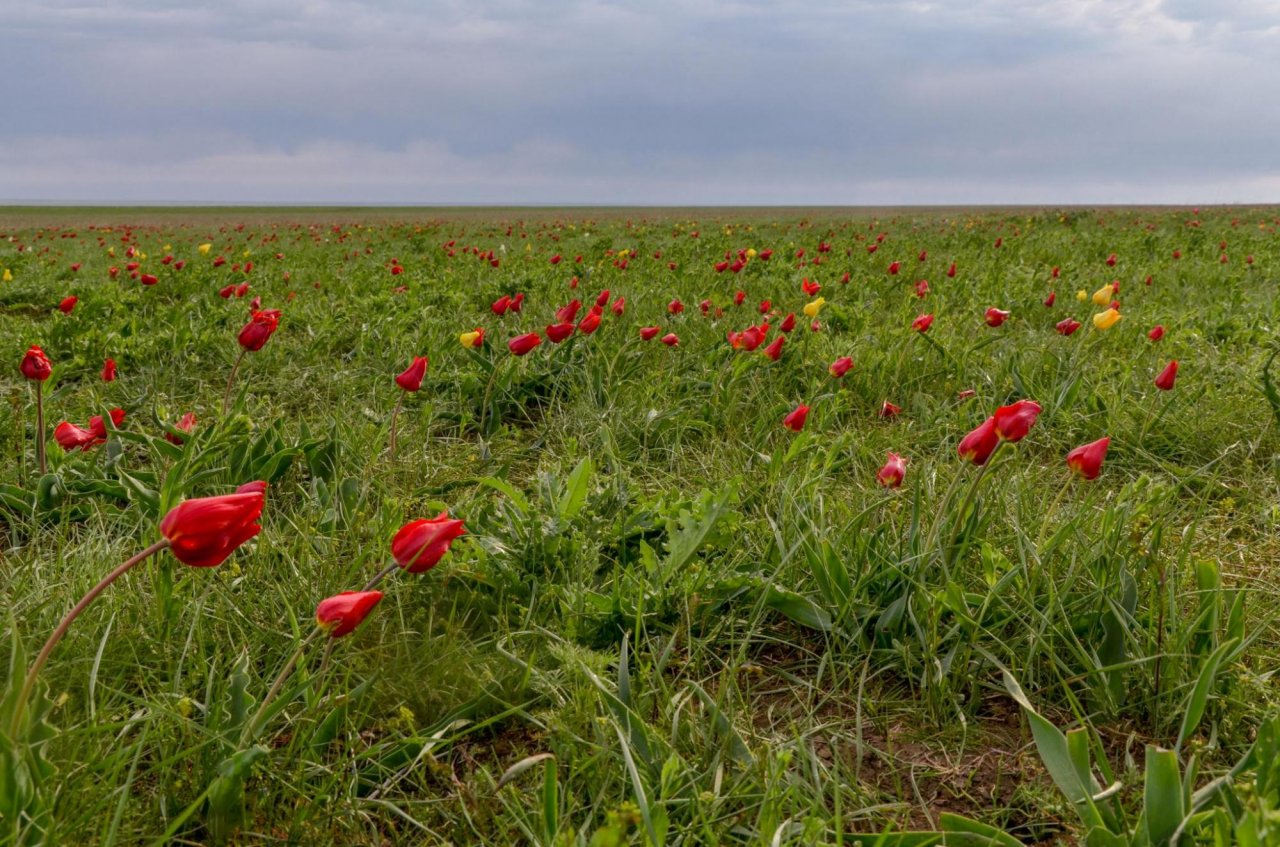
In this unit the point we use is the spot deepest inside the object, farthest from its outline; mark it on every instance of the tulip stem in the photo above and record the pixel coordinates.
(226, 397)
(395, 415)
(380, 576)
(40, 428)
(251, 727)
(1048, 515)
(30, 682)
(970, 495)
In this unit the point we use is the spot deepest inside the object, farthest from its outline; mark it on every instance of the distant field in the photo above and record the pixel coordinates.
(713, 618)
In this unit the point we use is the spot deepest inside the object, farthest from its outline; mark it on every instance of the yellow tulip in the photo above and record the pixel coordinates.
(751, 252)
(1103, 295)
(8, 275)
(811, 309)
(1107, 319)
(204, 249)
(622, 254)
(468, 339)
(246, 254)
(111, 251)
(1082, 295)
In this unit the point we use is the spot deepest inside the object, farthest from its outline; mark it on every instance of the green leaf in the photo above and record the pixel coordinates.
(1162, 796)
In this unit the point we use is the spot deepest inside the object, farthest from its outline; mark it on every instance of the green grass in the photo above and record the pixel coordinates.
(722, 631)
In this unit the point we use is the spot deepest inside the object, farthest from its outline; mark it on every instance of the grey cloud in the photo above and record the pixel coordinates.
(696, 101)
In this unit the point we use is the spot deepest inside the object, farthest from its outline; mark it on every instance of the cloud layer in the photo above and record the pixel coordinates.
(662, 102)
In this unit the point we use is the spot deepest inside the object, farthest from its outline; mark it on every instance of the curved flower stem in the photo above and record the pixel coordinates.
(395, 415)
(40, 428)
(30, 682)
(226, 397)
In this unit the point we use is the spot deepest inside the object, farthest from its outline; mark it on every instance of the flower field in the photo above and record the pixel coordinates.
(606, 527)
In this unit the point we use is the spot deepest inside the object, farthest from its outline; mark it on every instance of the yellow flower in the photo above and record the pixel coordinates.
(1107, 319)
(622, 254)
(1103, 295)
(811, 309)
(1082, 295)
(167, 247)
(111, 251)
(751, 252)
(204, 249)
(468, 339)
(8, 275)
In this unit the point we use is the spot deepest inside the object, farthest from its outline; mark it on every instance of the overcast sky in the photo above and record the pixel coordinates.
(644, 101)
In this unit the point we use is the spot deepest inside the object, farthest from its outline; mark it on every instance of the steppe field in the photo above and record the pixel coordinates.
(668, 526)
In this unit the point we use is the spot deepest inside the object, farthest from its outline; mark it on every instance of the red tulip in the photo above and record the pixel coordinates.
(1156, 333)
(420, 545)
(1067, 326)
(738, 297)
(721, 267)
(951, 271)
(187, 424)
(1014, 421)
(765, 255)
(226, 292)
(648, 333)
(809, 288)
(894, 267)
(149, 279)
(556, 259)
(922, 323)
(203, 532)
(840, 367)
(888, 410)
(603, 299)
(396, 270)
(1111, 260)
(411, 378)
(35, 364)
(68, 304)
(671, 339)
(109, 370)
(1165, 380)
(500, 306)
(591, 322)
(980, 443)
(891, 475)
(774, 350)
(924, 254)
(71, 437)
(966, 394)
(1086, 460)
(1054, 273)
(765, 306)
(1177, 254)
(995, 316)
(750, 338)
(242, 289)
(675, 307)
(788, 323)
(559, 332)
(1048, 301)
(568, 313)
(795, 419)
(922, 288)
(522, 344)
(517, 302)
(619, 306)
(340, 614)
(260, 328)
